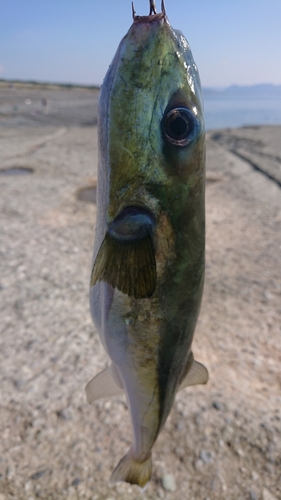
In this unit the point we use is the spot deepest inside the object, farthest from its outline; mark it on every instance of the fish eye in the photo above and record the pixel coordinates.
(180, 126)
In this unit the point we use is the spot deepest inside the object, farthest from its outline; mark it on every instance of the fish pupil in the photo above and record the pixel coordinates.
(179, 126)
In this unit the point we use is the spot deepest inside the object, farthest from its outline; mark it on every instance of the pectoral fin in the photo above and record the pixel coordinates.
(104, 385)
(196, 374)
(126, 258)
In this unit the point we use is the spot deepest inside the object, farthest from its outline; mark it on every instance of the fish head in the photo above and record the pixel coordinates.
(151, 119)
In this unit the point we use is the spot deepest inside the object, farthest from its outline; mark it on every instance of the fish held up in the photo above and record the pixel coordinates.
(148, 263)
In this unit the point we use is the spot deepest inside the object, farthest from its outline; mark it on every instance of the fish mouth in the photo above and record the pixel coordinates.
(152, 16)
(132, 223)
(149, 18)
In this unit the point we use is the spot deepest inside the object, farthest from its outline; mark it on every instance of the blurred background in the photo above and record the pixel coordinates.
(223, 440)
(74, 42)
(236, 46)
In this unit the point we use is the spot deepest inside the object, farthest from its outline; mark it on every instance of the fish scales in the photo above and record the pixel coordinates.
(148, 263)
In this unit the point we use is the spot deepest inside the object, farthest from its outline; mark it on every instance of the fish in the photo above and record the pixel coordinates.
(149, 250)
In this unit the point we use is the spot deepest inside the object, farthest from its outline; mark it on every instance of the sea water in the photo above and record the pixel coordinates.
(230, 112)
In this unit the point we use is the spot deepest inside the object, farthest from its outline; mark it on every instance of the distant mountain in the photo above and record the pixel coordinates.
(260, 91)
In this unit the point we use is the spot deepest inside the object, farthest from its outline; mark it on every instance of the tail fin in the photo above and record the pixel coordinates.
(132, 471)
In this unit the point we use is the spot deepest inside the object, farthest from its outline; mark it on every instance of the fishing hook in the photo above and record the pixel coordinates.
(152, 7)
(133, 11)
(152, 10)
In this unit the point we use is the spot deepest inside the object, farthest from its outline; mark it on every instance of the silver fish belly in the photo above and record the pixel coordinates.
(148, 263)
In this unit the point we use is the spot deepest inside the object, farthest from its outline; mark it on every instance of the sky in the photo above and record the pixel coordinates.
(74, 41)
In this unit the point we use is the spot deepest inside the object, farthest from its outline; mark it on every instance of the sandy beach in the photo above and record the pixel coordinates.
(222, 440)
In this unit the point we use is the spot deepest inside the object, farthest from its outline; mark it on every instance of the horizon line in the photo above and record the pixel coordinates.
(98, 86)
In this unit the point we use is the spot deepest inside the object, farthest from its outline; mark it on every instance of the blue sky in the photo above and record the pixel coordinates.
(233, 41)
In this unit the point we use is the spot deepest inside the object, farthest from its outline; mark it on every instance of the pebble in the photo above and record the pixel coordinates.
(76, 481)
(227, 434)
(160, 493)
(206, 456)
(240, 452)
(253, 495)
(107, 405)
(180, 452)
(27, 486)
(255, 476)
(266, 495)
(38, 474)
(65, 414)
(218, 405)
(2, 497)
(198, 464)
(168, 482)
(10, 473)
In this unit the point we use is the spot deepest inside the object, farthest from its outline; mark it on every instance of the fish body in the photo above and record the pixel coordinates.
(148, 263)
